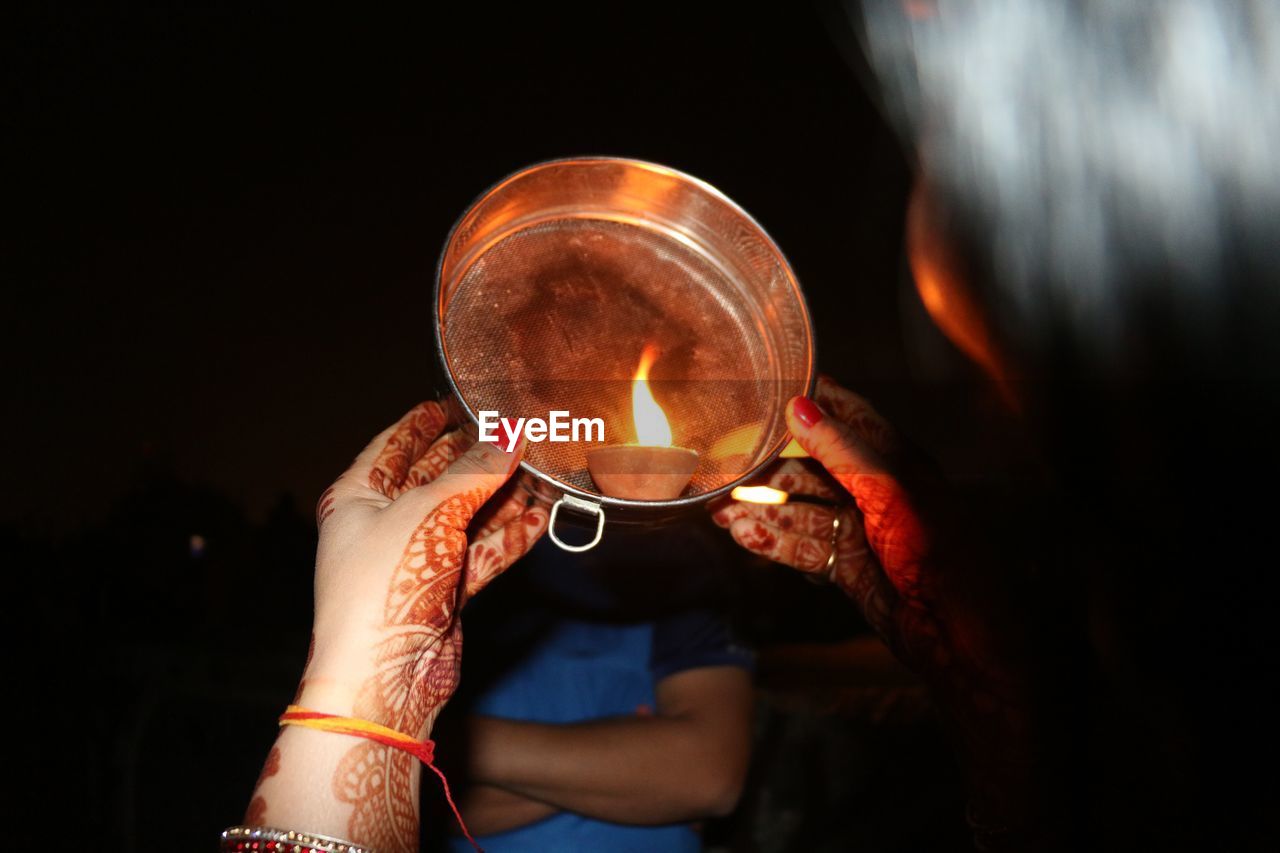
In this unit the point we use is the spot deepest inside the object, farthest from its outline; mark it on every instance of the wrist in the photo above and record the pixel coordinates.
(329, 694)
(399, 685)
(342, 663)
(406, 712)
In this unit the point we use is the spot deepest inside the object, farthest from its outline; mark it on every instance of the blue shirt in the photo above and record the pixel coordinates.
(559, 641)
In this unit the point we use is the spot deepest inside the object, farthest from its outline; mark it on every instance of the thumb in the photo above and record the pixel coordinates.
(893, 528)
(839, 449)
(465, 485)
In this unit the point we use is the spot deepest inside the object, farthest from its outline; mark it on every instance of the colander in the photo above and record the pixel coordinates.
(555, 280)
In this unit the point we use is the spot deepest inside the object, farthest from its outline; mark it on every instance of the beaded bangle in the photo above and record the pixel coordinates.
(264, 839)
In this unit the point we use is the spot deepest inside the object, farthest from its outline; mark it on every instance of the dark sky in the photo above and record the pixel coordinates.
(228, 220)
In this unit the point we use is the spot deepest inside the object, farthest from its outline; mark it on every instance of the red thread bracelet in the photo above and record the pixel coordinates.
(423, 750)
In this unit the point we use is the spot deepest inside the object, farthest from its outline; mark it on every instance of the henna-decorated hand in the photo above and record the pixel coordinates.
(407, 535)
(905, 558)
(394, 565)
(916, 588)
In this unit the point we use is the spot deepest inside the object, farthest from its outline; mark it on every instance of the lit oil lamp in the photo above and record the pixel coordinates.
(651, 469)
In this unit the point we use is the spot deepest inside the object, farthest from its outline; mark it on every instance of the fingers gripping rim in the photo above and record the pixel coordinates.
(582, 506)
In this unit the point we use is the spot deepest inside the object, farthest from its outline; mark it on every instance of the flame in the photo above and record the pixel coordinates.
(652, 429)
(759, 495)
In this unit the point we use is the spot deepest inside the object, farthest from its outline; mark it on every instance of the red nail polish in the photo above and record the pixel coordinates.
(806, 411)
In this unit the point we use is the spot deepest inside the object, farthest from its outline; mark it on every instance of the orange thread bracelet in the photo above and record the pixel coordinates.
(423, 750)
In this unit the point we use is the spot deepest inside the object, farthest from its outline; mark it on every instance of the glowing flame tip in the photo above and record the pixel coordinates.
(652, 429)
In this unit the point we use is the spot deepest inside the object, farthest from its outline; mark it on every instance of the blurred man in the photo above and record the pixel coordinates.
(611, 706)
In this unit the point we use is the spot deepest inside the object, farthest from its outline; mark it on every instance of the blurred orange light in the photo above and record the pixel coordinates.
(759, 495)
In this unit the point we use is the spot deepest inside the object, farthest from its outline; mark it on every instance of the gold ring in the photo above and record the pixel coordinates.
(835, 534)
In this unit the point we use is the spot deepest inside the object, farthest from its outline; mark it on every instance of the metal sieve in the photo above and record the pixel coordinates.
(554, 281)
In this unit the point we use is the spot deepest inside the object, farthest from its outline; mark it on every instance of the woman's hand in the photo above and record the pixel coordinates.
(899, 553)
(405, 539)
(394, 565)
(920, 577)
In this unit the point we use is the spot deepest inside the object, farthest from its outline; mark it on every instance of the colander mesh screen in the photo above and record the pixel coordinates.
(553, 312)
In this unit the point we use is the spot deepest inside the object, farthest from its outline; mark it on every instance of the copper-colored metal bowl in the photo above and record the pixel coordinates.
(556, 278)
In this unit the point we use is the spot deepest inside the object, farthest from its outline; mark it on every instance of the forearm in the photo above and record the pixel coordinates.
(323, 783)
(488, 809)
(640, 770)
(344, 786)
(387, 644)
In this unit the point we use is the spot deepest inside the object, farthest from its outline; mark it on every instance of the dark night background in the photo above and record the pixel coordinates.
(227, 221)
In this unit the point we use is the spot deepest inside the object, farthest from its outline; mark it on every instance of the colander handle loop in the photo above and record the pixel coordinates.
(581, 506)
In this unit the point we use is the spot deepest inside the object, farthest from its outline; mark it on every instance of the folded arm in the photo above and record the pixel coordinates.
(685, 762)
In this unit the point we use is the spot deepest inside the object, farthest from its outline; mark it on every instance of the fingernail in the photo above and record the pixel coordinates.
(806, 411)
